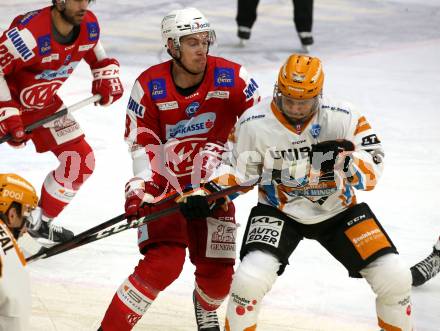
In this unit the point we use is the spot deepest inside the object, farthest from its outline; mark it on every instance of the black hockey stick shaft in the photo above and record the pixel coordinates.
(71, 243)
(31, 127)
(109, 231)
(79, 237)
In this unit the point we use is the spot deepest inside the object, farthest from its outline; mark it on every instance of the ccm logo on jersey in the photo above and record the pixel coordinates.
(250, 89)
(16, 38)
(136, 108)
(265, 229)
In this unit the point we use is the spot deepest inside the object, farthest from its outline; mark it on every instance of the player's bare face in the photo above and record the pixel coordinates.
(75, 10)
(15, 220)
(193, 51)
(298, 109)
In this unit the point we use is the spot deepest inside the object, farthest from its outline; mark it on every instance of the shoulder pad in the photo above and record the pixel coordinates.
(26, 18)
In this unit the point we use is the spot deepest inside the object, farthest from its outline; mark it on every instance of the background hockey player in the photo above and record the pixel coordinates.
(179, 116)
(38, 52)
(302, 17)
(17, 199)
(317, 153)
(428, 267)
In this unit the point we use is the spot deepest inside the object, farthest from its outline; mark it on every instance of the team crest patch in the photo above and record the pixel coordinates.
(157, 89)
(44, 47)
(192, 108)
(93, 31)
(315, 130)
(224, 77)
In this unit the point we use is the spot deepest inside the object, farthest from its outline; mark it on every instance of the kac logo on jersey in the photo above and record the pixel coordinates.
(93, 31)
(224, 77)
(157, 89)
(192, 108)
(136, 108)
(250, 89)
(44, 47)
(192, 127)
(315, 130)
(23, 50)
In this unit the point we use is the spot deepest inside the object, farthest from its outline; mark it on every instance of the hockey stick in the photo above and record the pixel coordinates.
(31, 127)
(43, 253)
(109, 231)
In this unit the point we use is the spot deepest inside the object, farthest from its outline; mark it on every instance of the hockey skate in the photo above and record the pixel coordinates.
(244, 34)
(45, 232)
(206, 320)
(427, 268)
(306, 39)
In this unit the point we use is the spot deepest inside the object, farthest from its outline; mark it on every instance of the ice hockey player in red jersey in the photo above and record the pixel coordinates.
(17, 200)
(179, 116)
(428, 267)
(38, 52)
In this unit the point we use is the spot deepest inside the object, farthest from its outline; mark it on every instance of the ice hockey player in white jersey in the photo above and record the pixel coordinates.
(311, 154)
(17, 199)
(428, 267)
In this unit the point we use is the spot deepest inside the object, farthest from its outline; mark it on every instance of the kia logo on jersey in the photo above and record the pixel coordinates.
(224, 77)
(192, 108)
(36, 96)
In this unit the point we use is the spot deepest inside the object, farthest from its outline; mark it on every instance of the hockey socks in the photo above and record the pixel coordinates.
(128, 305)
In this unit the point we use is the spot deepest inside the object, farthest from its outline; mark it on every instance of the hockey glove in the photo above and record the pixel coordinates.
(10, 122)
(106, 81)
(324, 154)
(194, 204)
(139, 198)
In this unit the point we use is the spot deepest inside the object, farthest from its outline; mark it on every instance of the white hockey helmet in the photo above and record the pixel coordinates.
(183, 22)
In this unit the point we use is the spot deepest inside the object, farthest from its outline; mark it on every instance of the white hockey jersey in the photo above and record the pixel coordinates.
(15, 293)
(263, 140)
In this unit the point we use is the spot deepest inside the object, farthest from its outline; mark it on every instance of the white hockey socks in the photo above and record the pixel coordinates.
(252, 280)
(391, 280)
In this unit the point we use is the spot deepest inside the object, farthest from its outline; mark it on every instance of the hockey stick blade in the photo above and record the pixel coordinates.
(31, 127)
(109, 231)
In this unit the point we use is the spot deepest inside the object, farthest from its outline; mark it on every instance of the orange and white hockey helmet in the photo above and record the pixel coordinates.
(301, 77)
(14, 188)
(183, 22)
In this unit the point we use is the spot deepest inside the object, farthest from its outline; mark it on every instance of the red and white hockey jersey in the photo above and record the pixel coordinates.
(33, 66)
(166, 130)
(264, 140)
(15, 292)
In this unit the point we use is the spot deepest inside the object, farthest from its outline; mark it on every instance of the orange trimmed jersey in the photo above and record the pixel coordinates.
(15, 293)
(264, 140)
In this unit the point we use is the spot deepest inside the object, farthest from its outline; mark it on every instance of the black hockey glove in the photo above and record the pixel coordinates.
(194, 203)
(323, 155)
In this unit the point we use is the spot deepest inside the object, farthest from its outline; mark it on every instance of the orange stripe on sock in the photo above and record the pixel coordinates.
(388, 327)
